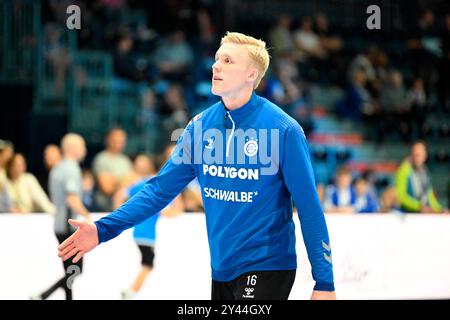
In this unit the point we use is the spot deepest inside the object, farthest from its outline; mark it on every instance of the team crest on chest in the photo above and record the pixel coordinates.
(251, 147)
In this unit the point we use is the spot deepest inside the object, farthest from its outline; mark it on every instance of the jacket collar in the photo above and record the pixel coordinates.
(245, 110)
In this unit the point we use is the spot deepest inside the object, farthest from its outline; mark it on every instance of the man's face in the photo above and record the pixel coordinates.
(344, 180)
(116, 141)
(80, 150)
(18, 166)
(418, 155)
(143, 166)
(361, 187)
(52, 156)
(232, 70)
(6, 154)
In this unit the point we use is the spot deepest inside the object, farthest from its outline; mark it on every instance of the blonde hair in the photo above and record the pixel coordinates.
(256, 48)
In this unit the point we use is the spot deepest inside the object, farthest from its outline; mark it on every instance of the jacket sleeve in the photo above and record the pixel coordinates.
(299, 178)
(157, 193)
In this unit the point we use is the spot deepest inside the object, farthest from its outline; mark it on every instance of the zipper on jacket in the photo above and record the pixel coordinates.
(231, 135)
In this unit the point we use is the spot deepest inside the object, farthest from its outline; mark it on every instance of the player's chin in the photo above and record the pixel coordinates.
(216, 91)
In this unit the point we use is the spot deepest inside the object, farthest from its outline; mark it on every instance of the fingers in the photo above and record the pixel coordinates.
(78, 257)
(66, 242)
(75, 223)
(66, 250)
(69, 254)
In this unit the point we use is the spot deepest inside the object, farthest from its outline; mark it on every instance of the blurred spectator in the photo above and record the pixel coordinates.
(395, 110)
(173, 108)
(52, 156)
(417, 100)
(333, 62)
(174, 56)
(283, 85)
(287, 72)
(369, 175)
(6, 153)
(281, 39)
(143, 166)
(5, 200)
(373, 62)
(58, 57)
(147, 119)
(366, 201)
(423, 45)
(389, 201)
(124, 65)
(362, 62)
(328, 41)
(147, 116)
(110, 167)
(307, 41)
(393, 98)
(143, 169)
(357, 100)
(312, 63)
(88, 194)
(24, 189)
(413, 183)
(382, 67)
(341, 197)
(417, 97)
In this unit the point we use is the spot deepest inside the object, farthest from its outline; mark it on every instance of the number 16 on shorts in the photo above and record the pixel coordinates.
(249, 291)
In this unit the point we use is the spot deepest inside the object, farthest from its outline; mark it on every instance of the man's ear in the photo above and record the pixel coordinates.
(253, 75)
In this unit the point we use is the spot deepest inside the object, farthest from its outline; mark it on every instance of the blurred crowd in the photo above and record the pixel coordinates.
(400, 81)
(105, 184)
(113, 174)
(399, 86)
(390, 89)
(411, 192)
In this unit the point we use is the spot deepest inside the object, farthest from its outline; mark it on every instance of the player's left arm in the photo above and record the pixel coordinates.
(298, 175)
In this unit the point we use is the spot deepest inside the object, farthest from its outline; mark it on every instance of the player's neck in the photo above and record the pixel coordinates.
(236, 101)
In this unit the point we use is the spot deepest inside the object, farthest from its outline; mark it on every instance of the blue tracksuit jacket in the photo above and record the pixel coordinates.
(252, 163)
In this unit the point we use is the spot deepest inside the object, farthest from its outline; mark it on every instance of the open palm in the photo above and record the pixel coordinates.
(83, 240)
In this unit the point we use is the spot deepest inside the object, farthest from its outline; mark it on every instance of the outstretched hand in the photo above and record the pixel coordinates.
(83, 240)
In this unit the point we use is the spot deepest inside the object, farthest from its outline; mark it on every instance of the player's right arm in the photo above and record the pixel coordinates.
(154, 196)
(157, 193)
